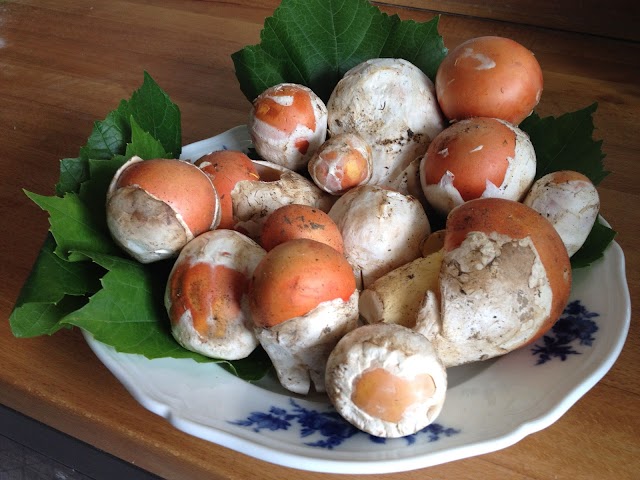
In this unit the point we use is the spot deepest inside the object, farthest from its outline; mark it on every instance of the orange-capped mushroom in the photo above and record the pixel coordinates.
(154, 207)
(294, 278)
(287, 123)
(300, 221)
(302, 299)
(489, 77)
(477, 157)
(226, 168)
(505, 279)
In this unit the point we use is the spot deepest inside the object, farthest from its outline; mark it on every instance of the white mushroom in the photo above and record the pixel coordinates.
(386, 380)
(391, 103)
(205, 295)
(570, 202)
(381, 230)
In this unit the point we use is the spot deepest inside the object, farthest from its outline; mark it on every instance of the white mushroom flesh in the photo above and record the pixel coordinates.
(299, 347)
(253, 201)
(495, 296)
(414, 385)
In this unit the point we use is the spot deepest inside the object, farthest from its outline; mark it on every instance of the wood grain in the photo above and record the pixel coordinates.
(617, 19)
(67, 63)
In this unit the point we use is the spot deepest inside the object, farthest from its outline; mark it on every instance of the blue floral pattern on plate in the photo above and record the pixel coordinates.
(329, 425)
(575, 324)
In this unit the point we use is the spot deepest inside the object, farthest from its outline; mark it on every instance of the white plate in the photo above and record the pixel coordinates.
(489, 405)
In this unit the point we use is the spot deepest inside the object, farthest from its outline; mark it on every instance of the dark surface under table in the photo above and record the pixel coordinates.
(30, 450)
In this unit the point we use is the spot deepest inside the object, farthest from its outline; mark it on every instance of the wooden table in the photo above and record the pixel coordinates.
(66, 63)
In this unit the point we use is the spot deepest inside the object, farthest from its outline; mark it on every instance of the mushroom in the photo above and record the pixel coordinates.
(570, 201)
(206, 294)
(302, 299)
(381, 230)
(225, 168)
(505, 279)
(287, 123)
(154, 207)
(342, 162)
(386, 380)
(392, 104)
(477, 157)
(254, 201)
(489, 77)
(300, 221)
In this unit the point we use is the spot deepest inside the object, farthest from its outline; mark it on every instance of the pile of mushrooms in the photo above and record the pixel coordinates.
(322, 252)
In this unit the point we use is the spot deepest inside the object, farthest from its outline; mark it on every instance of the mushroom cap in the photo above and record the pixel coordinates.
(489, 77)
(505, 279)
(205, 295)
(381, 230)
(154, 207)
(386, 380)
(296, 276)
(226, 168)
(287, 123)
(342, 162)
(477, 157)
(392, 104)
(570, 201)
(300, 221)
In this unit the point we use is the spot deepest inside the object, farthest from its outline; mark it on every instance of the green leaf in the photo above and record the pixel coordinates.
(566, 143)
(44, 298)
(419, 43)
(74, 226)
(143, 144)
(73, 171)
(128, 313)
(315, 42)
(109, 137)
(156, 114)
(35, 319)
(593, 248)
(93, 192)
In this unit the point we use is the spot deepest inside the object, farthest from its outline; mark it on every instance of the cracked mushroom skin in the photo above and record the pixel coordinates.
(570, 201)
(477, 157)
(381, 230)
(225, 168)
(505, 279)
(253, 201)
(302, 299)
(489, 77)
(392, 104)
(386, 380)
(205, 295)
(154, 207)
(287, 123)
